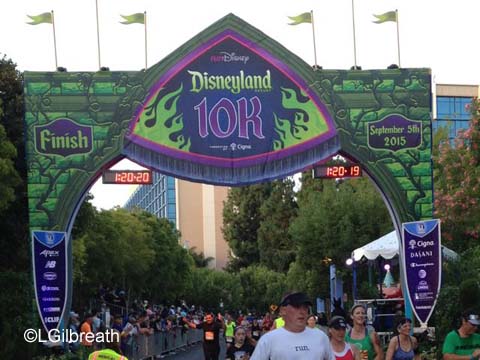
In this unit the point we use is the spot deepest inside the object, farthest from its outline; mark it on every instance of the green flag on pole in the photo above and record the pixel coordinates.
(388, 16)
(138, 18)
(300, 19)
(45, 18)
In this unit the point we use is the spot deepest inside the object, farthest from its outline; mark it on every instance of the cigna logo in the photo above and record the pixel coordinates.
(63, 137)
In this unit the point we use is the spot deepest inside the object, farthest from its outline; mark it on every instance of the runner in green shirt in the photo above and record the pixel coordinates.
(464, 343)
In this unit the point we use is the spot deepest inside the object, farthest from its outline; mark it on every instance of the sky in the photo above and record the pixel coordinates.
(441, 35)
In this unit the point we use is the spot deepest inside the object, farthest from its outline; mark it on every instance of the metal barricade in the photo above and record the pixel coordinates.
(161, 343)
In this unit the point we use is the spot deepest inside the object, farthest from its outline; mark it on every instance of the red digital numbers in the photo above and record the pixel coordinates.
(337, 171)
(139, 177)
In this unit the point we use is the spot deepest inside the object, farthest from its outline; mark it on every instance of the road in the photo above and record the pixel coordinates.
(194, 353)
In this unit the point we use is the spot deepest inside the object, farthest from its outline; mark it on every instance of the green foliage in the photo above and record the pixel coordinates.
(16, 315)
(457, 190)
(199, 258)
(276, 248)
(135, 251)
(333, 222)
(16, 312)
(169, 276)
(8, 175)
(262, 287)
(209, 287)
(241, 221)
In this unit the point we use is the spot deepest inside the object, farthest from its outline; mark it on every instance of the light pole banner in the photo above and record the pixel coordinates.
(421, 257)
(49, 254)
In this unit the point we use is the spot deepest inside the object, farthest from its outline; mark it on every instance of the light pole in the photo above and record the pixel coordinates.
(351, 262)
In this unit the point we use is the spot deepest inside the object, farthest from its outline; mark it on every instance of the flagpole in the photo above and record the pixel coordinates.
(354, 37)
(54, 41)
(398, 39)
(314, 45)
(145, 21)
(98, 35)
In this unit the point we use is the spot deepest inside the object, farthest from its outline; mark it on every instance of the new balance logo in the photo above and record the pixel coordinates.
(51, 264)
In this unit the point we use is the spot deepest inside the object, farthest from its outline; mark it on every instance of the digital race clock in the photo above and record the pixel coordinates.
(140, 177)
(337, 171)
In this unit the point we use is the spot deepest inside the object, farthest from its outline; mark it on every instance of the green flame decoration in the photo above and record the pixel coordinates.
(308, 121)
(161, 123)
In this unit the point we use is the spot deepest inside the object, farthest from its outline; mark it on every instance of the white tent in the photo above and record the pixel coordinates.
(387, 247)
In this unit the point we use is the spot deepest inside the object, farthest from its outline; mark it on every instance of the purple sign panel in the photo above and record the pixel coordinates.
(422, 265)
(394, 132)
(230, 103)
(63, 137)
(49, 254)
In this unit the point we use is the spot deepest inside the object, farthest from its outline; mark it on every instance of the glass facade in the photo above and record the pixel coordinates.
(452, 113)
(158, 199)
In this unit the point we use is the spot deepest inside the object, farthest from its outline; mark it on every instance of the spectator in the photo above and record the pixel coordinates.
(128, 335)
(294, 341)
(86, 328)
(74, 327)
(463, 343)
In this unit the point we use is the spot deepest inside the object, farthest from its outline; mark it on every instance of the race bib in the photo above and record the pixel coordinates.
(209, 335)
(239, 355)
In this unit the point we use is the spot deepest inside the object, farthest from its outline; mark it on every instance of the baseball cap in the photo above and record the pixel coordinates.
(337, 322)
(473, 319)
(295, 299)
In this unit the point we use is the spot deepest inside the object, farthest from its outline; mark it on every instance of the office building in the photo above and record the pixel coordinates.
(450, 107)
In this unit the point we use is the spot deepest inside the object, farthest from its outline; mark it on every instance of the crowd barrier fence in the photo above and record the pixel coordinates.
(161, 343)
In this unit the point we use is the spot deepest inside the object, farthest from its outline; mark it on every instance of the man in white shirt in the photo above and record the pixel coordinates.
(294, 341)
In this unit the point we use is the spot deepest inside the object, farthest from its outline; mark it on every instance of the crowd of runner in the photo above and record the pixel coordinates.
(292, 332)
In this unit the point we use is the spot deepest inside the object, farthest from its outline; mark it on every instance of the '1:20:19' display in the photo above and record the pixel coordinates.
(337, 171)
(139, 177)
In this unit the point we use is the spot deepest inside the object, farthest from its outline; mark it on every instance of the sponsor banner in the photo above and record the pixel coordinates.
(394, 132)
(230, 103)
(421, 252)
(49, 254)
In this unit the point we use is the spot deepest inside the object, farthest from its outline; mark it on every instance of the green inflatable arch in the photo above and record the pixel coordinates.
(231, 106)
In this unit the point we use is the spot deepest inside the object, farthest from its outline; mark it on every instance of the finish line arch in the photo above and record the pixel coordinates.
(232, 107)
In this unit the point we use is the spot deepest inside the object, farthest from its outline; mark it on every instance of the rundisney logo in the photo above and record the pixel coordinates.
(229, 57)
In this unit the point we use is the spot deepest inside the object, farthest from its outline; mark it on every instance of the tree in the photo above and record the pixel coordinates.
(199, 258)
(15, 277)
(333, 222)
(241, 220)
(276, 248)
(261, 287)
(457, 189)
(9, 178)
(209, 287)
(169, 275)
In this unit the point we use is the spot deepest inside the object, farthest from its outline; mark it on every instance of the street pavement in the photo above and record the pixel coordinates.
(194, 353)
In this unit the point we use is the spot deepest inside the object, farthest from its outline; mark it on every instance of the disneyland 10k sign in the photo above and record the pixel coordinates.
(49, 254)
(422, 264)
